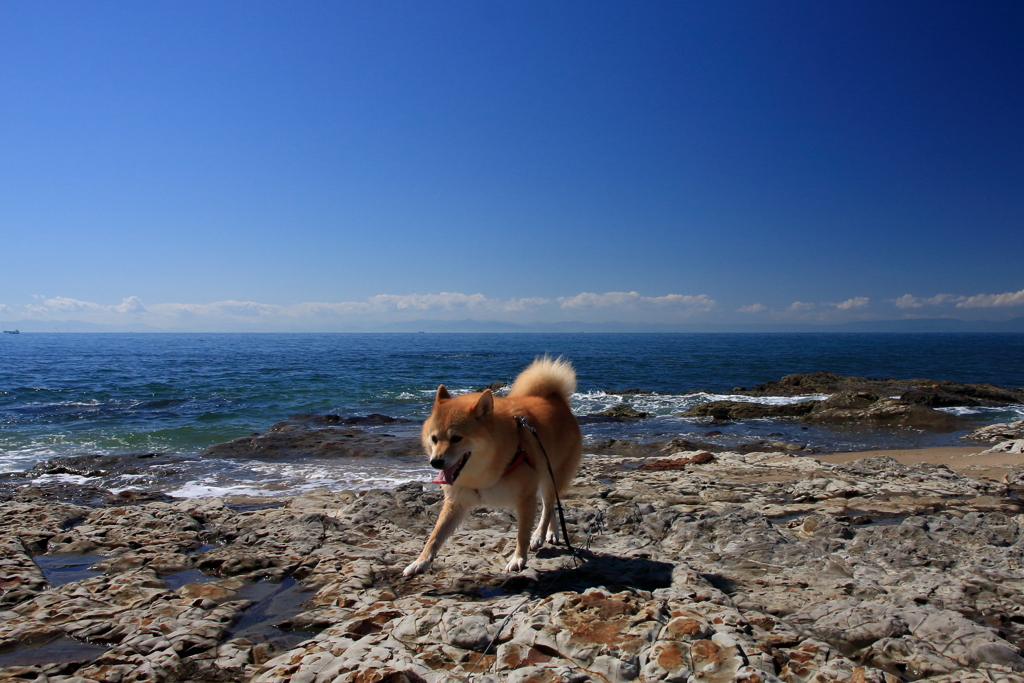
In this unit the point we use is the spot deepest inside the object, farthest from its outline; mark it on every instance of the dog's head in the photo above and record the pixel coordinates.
(456, 427)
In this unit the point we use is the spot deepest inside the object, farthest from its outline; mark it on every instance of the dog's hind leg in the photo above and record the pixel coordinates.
(526, 510)
(547, 530)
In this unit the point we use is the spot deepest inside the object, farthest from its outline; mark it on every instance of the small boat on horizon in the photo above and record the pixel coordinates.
(12, 332)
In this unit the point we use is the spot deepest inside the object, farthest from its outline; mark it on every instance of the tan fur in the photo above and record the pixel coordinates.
(484, 426)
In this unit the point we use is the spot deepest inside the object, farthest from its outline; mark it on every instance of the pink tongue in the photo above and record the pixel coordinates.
(445, 476)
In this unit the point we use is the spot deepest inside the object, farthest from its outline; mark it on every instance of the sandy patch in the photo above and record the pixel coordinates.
(966, 459)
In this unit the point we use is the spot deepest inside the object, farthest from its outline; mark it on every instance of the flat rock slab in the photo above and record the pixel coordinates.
(320, 436)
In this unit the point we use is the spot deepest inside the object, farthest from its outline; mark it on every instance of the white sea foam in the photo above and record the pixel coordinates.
(261, 478)
(967, 411)
(91, 403)
(18, 461)
(76, 479)
(669, 404)
(585, 403)
(341, 474)
(127, 479)
(197, 490)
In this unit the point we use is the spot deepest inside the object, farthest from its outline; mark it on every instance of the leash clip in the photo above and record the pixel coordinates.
(521, 421)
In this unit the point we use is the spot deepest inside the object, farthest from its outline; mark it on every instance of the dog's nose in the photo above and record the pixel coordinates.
(437, 463)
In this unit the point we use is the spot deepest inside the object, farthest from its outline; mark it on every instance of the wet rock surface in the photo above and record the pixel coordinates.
(845, 407)
(13, 486)
(320, 436)
(148, 464)
(648, 449)
(622, 412)
(928, 392)
(303, 440)
(998, 433)
(737, 567)
(740, 410)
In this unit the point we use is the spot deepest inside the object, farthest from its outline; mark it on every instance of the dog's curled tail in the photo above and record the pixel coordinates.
(544, 377)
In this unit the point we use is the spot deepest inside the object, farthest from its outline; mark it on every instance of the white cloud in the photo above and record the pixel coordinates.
(318, 309)
(976, 301)
(132, 304)
(910, 301)
(382, 308)
(992, 300)
(62, 304)
(427, 302)
(219, 309)
(856, 302)
(634, 300)
(386, 309)
(525, 304)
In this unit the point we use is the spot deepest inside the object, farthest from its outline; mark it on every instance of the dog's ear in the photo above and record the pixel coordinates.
(442, 394)
(485, 405)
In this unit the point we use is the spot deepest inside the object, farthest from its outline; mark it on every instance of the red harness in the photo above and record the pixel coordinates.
(517, 460)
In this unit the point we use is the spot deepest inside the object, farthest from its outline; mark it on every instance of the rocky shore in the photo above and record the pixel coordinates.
(910, 403)
(844, 407)
(696, 562)
(699, 567)
(929, 392)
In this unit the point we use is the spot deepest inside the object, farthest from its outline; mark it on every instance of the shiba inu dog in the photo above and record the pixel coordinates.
(487, 459)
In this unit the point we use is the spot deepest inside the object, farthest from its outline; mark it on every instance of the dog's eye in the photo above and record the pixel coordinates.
(455, 439)
(433, 439)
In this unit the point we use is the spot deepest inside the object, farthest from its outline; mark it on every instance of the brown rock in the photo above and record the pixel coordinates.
(890, 413)
(678, 463)
(842, 400)
(318, 436)
(208, 591)
(934, 393)
(622, 412)
(744, 410)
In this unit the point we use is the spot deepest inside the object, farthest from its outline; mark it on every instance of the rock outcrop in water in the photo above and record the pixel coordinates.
(927, 392)
(622, 412)
(744, 410)
(845, 407)
(319, 436)
(755, 567)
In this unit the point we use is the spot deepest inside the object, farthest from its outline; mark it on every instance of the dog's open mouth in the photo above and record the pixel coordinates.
(449, 474)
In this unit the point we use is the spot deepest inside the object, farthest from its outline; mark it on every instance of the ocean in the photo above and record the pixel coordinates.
(74, 394)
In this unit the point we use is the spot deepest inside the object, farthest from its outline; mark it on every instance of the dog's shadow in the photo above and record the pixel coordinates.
(589, 570)
(586, 570)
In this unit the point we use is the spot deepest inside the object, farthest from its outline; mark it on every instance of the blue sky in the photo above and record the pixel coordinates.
(328, 165)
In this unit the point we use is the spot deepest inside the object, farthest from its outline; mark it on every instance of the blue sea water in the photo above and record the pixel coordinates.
(69, 394)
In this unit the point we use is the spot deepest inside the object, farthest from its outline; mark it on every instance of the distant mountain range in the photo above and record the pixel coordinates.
(936, 325)
(922, 325)
(946, 325)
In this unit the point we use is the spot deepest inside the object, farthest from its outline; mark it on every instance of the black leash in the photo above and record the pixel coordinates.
(535, 593)
(521, 422)
(537, 590)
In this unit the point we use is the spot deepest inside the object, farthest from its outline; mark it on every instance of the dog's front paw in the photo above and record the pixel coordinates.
(537, 542)
(417, 567)
(517, 564)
